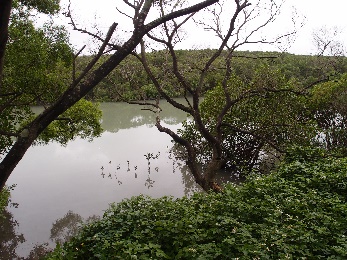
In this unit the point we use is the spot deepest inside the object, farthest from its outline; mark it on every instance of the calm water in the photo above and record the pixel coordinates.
(58, 187)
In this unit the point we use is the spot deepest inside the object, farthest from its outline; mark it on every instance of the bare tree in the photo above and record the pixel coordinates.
(330, 51)
(91, 75)
(245, 22)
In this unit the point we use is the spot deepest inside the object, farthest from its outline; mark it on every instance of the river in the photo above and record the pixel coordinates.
(58, 186)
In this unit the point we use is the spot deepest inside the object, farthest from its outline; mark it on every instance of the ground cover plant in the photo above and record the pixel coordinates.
(297, 212)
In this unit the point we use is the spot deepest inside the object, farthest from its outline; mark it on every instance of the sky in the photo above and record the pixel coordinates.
(315, 14)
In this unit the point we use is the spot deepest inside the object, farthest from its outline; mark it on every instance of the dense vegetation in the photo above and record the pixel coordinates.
(266, 124)
(130, 82)
(4, 200)
(37, 70)
(297, 212)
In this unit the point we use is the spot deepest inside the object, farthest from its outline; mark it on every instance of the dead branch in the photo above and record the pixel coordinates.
(68, 14)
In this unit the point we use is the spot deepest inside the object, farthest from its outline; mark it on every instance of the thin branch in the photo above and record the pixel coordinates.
(126, 15)
(97, 57)
(156, 83)
(74, 64)
(129, 4)
(8, 134)
(84, 31)
(252, 133)
(179, 13)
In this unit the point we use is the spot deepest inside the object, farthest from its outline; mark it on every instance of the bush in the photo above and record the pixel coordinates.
(298, 212)
(4, 199)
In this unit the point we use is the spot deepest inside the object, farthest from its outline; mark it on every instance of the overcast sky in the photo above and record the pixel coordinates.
(317, 13)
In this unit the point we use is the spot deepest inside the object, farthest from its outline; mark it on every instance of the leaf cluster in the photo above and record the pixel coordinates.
(37, 70)
(82, 120)
(42, 6)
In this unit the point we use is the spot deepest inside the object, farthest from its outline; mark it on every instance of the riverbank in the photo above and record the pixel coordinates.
(297, 212)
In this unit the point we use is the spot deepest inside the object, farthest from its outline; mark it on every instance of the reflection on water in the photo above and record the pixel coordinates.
(81, 179)
(117, 116)
(9, 238)
(62, 230)
(66, 227)
(60, 187)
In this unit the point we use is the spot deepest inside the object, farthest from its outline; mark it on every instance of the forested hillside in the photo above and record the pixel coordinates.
(130, 81)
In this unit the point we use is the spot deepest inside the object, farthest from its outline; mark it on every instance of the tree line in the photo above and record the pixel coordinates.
(129, 82)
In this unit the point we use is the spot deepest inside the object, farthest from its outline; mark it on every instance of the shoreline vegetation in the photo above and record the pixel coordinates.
(297, 212)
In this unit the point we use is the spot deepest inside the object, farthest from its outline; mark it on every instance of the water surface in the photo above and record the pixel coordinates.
(58, 186)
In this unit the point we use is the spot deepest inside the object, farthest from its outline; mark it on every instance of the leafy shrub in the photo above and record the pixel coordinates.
(5, 199)
(298, 212)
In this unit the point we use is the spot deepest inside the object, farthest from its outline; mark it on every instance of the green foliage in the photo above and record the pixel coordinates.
(37, 61)
(83, 120)
(37, 70)
(298, 212)
(42, 6)
(328, 105)
(129, 77)
(267, 114)
(4, 199)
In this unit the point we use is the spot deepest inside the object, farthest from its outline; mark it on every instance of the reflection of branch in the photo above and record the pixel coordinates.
(66, 227)
(149, 182)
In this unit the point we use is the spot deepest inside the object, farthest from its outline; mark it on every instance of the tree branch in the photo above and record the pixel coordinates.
(252, 133)
(84, 31)
(8, 134)
(97, 57)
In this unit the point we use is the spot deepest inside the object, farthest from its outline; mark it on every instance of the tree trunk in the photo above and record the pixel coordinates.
(14, 156)
(5, 11)
(67, 100)
(210, 174)
(75, 92)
